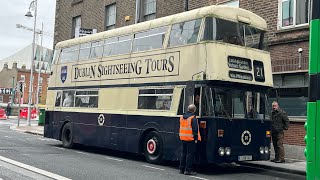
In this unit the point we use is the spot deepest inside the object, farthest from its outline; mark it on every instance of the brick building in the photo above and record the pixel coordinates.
(10, 77)
(11, 72)
(288, 33)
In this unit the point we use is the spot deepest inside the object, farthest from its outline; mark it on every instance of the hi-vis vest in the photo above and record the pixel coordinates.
(185, 132)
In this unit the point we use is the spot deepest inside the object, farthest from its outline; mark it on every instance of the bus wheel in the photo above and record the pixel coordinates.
(153, 149)
(67, 136)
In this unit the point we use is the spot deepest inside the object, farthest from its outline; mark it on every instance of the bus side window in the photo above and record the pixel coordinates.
(58, 99)
(68, 99)
(181, 103)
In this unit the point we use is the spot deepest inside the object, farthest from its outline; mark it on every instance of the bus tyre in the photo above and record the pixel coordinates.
(67, 136)
(153, 148)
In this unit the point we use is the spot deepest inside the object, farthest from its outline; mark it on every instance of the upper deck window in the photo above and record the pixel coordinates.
(117, 45)
(147, 40)
(69, 54)
(184, 33)
(233, 33)
(96, 49)
(84, 51)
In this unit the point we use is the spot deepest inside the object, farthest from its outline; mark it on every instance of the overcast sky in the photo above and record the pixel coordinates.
(13, 12)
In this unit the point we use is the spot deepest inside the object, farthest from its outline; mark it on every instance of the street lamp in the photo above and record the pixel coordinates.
(33, 6)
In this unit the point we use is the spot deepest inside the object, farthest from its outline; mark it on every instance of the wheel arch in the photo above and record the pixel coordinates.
(64, 122)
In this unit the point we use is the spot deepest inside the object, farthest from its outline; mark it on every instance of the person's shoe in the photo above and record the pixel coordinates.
(190, 173)
(280, 161)
(181, 171)
(274, 160)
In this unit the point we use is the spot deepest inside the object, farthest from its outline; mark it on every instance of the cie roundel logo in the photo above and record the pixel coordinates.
(64, 73)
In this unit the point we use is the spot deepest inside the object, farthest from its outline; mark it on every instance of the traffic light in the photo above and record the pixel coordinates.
(20, 87)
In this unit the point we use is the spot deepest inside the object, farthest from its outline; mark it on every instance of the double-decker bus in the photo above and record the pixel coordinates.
(125, 89)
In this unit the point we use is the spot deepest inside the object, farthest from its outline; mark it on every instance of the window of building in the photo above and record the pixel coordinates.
(87, 99)
(41, 80)
(117, 45)
(184, 33)
(293, 13)
(96, 49)
(23, 78)
(84, 51)
(231, 3)
(157, 99)
(40, 90)
(110, 16)
(149, 9)
(68, 98)
(76, 24)
(1, 99)
(69, 54)
(147, 40)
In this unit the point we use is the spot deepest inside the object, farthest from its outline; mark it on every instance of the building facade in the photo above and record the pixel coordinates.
(11, 72)
(288, 34)
(10, 78)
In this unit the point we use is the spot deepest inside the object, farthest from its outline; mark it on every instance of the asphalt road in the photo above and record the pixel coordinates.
(83, 163)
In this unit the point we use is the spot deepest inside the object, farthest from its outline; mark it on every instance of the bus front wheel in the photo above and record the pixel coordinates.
(67, 136)
(153, 147)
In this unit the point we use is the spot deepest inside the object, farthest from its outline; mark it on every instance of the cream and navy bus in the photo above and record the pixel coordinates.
(125, 89)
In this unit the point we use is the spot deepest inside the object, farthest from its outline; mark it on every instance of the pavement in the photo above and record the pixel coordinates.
(293, 166)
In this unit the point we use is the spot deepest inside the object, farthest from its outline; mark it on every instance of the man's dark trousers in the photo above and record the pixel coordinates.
(277, 139)
(187, 155)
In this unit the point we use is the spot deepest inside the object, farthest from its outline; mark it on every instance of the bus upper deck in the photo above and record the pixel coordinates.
(211, 43)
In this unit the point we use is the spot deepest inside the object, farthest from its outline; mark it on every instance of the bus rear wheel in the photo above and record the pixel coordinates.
(153, 147)
(67, 136)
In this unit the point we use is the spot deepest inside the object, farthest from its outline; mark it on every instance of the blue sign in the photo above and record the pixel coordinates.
(64, 73)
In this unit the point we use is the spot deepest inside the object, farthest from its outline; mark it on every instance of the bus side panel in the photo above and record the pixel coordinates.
(167, 127)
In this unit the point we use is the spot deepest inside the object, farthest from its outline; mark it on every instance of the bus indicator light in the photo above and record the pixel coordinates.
(268, 134)
(220, 132)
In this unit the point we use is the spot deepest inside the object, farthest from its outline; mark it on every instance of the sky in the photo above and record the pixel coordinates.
(13, 12)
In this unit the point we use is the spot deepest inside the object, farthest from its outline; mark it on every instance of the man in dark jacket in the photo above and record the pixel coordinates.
(280, 122)
(8, 109)
(189, 136)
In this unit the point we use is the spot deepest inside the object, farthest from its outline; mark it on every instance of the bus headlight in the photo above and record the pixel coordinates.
(261, 150)
(266, 150)
(221, 151)
(227, 151)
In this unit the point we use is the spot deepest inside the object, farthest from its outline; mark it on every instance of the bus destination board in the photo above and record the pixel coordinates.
(240, 75)
(258, 71)
(239, 63)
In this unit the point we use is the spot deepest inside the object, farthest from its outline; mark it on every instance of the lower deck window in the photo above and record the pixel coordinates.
(157, 99)
(83, 98)
(86, 99)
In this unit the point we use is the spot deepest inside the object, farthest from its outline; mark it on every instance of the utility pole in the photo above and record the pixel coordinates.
(312, 125)
(40, 66)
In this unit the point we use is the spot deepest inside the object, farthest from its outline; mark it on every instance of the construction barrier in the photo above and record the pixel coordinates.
(24, 113)
(3, 114)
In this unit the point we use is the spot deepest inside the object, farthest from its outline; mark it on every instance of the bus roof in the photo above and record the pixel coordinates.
(220, 11)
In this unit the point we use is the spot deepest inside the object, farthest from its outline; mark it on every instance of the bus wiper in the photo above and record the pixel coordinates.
(224, 111)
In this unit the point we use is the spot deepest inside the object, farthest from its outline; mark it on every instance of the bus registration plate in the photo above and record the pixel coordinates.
(245, 158)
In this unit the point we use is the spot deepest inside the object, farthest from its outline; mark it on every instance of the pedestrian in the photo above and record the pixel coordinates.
(189, 136)
(8, 109)
(280, 122)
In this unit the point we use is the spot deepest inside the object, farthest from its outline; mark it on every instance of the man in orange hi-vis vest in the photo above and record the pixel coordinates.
(189, 136)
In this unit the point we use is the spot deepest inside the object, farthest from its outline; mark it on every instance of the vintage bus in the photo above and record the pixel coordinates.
(125, 89)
